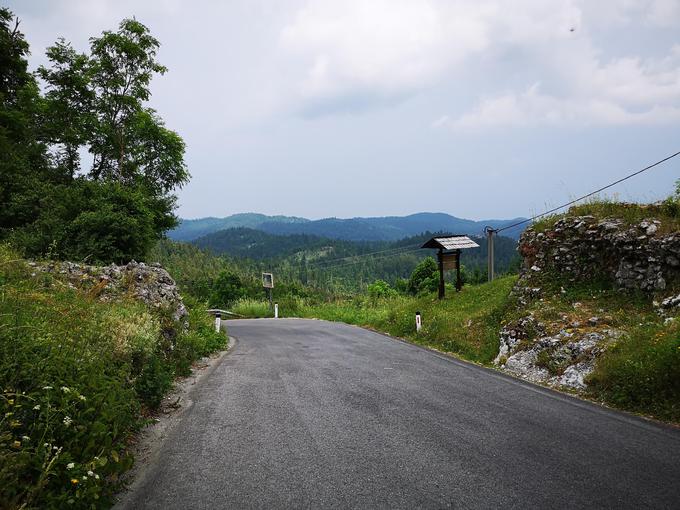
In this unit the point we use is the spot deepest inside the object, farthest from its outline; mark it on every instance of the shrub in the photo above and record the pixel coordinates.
(380, 289)
(424, 277)
(226, 289)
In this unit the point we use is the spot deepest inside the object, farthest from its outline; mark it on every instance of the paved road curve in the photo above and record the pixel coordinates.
(311, 414)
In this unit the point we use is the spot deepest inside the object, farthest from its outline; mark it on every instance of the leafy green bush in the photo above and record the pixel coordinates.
(424, 277)
(154, 381)
(197, 341)
(380, 289)
(226, 289)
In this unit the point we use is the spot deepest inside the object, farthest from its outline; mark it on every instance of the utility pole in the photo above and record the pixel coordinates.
(490, 254)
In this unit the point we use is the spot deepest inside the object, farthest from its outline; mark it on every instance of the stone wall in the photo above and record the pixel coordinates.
(562, 350)
(583, 248)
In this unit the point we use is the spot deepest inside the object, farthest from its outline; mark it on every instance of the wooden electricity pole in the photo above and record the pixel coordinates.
(490, 254)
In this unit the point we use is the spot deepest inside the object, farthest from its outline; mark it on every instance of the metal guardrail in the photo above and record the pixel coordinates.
(215, 311)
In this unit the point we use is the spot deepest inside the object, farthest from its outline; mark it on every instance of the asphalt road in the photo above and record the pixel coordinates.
(312, 414)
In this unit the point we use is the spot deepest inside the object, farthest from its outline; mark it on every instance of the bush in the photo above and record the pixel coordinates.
(425, 277)
(380, 289)
(95, 221)
(226, 289)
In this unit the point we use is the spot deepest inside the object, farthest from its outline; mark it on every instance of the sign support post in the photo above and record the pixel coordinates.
(268, 284)
(440, 258)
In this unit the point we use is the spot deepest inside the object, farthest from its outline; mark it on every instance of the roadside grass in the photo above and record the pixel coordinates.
(76, 377)
(252, 308)
(641, 373)
(667, 211)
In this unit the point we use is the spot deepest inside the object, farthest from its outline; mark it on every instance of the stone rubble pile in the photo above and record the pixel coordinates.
(564, 359)
(149, 283)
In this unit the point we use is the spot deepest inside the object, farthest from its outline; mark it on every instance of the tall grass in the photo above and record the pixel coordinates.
(667, 211)
(75, 373)
(642, 372)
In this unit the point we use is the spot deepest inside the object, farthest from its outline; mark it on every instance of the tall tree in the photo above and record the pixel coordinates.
(130, 143)
(69, 104)
(23, 159)
(119, 206)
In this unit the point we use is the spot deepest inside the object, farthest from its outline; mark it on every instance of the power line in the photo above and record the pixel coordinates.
(335, 266)
(584, 196)
(361, 255)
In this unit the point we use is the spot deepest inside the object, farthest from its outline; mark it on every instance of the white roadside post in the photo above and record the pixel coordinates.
(218, 321)
(276, 310)
(419, 323)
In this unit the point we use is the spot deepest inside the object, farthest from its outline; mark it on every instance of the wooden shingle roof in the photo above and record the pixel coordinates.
(451, 243)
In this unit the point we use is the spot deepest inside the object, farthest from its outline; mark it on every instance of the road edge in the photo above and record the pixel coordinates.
(149, 441)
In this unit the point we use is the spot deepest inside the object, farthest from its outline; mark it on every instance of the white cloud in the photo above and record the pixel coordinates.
(532, 107)
(623, 91)
(381, 47)
(362, 53)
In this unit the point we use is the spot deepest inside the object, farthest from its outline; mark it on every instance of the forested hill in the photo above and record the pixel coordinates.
(188, 230)
(388, 228)
(354, 262)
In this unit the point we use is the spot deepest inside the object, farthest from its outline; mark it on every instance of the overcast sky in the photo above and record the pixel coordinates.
(482, 109)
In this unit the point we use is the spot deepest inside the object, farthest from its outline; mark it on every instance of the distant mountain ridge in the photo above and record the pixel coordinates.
(188, 230)
(388, 228)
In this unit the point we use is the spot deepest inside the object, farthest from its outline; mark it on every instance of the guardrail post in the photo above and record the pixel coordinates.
(218, 321)
(276, 310)
(419, 323)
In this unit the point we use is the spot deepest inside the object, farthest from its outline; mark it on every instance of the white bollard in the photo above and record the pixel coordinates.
(218, 321)
(419, 323)
(276, 310)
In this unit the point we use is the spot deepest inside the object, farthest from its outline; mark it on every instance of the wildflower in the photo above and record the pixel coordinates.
(82, 397)
(96, 477)
(46, 445)
(25, 438)
(65, 389)
(10, 401)
(70, 465)
(74, 481)
(17, 444)
(90, 473)
(36, 407)
(47, 387)
(84, 478)
(55, 448)
(67, 420)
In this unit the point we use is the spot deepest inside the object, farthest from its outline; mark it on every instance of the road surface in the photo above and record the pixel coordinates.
(312, 414)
